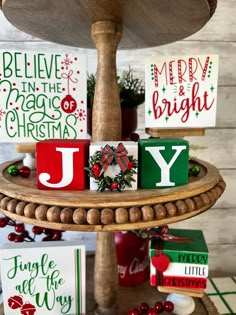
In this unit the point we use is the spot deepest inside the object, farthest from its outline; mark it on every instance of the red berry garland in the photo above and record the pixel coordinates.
(22, 235)
(159, 307)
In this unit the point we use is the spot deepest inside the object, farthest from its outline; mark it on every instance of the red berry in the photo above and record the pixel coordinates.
(96, 170)
(48, 232)
(130, 165)
(114, 186)
(144, 307)
(20, 227)
(37, 230)
(57, 235)
(168, 306)
(19, 239)
(134, 311)
(3, 222)
(159, 307)
(11, 237)
(152, 311)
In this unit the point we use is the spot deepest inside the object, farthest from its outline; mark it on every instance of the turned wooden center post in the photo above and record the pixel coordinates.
(106, 119)
(106, 126)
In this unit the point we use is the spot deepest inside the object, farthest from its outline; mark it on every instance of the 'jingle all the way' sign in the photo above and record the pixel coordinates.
(46, 278)
(181, 91)
(42, 95)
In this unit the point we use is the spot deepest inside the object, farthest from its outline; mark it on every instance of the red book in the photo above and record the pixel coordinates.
(179, 282)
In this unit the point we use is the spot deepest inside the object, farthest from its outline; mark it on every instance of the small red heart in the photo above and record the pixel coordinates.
(161, 262)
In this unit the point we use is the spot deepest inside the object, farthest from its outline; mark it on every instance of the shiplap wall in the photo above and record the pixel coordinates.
(217, 146)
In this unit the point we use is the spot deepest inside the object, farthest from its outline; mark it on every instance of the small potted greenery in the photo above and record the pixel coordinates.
(132, 94)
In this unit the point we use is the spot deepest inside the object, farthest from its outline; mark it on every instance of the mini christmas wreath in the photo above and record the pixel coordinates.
(110, 155)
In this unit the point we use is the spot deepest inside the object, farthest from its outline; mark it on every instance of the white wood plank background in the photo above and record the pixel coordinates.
(218, 146)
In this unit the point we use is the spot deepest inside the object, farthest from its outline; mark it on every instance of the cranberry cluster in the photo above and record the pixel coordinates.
(22, 235)
(159, 307)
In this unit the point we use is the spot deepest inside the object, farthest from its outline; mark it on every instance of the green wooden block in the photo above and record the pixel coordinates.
(163, 162)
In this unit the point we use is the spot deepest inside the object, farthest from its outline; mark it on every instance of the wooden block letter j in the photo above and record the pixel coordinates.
(163, 162)
(60, 164)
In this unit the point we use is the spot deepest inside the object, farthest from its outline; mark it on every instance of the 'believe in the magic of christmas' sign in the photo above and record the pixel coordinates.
(42, 95)
(43, 279)
(181, 91)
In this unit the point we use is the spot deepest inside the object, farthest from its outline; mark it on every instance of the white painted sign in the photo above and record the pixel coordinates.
(39, 279)
(42, 96)
(181, 91)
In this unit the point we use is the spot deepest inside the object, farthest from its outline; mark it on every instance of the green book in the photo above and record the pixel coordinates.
(194, 251)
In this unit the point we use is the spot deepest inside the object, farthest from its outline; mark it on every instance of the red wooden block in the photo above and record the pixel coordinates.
(60, 164)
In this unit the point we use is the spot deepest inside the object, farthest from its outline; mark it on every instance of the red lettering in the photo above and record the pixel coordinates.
(204, 69)
(192, 69)
(156, 72)
(184, 107)
(181, 71)
(171, 72)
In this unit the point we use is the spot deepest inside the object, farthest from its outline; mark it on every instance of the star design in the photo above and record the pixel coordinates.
(166, 118)
(149, 112)
(196, 114)
(212, 88)
(163, 89)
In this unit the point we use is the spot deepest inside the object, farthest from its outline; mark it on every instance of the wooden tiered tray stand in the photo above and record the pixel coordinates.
(109, 25)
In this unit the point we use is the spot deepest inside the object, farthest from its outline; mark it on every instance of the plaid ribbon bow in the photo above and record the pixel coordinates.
(119, 155)
(162, 233)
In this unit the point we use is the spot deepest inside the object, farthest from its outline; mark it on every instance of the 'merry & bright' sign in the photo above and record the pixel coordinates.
(181, 91)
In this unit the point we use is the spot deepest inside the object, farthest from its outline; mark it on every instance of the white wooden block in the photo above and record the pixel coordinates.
(113, 170)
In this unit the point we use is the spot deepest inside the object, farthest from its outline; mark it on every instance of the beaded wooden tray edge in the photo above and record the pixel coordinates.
(117, 217)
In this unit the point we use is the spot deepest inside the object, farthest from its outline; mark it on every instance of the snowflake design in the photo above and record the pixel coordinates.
(2, 113)
(80, 114)
(67, 62)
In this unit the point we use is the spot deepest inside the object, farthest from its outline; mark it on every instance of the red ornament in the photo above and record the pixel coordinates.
(144, 307)
(28, 309)
(24, 171)
(168, 306)
(114, 186)
(96, 170)
(15, 302)
(130, 165)
(134, 311)
(159, 307)
(161, 262)
(68, 104)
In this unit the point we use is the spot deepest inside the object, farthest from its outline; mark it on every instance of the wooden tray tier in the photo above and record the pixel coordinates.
(86, 210)
(145, 23)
